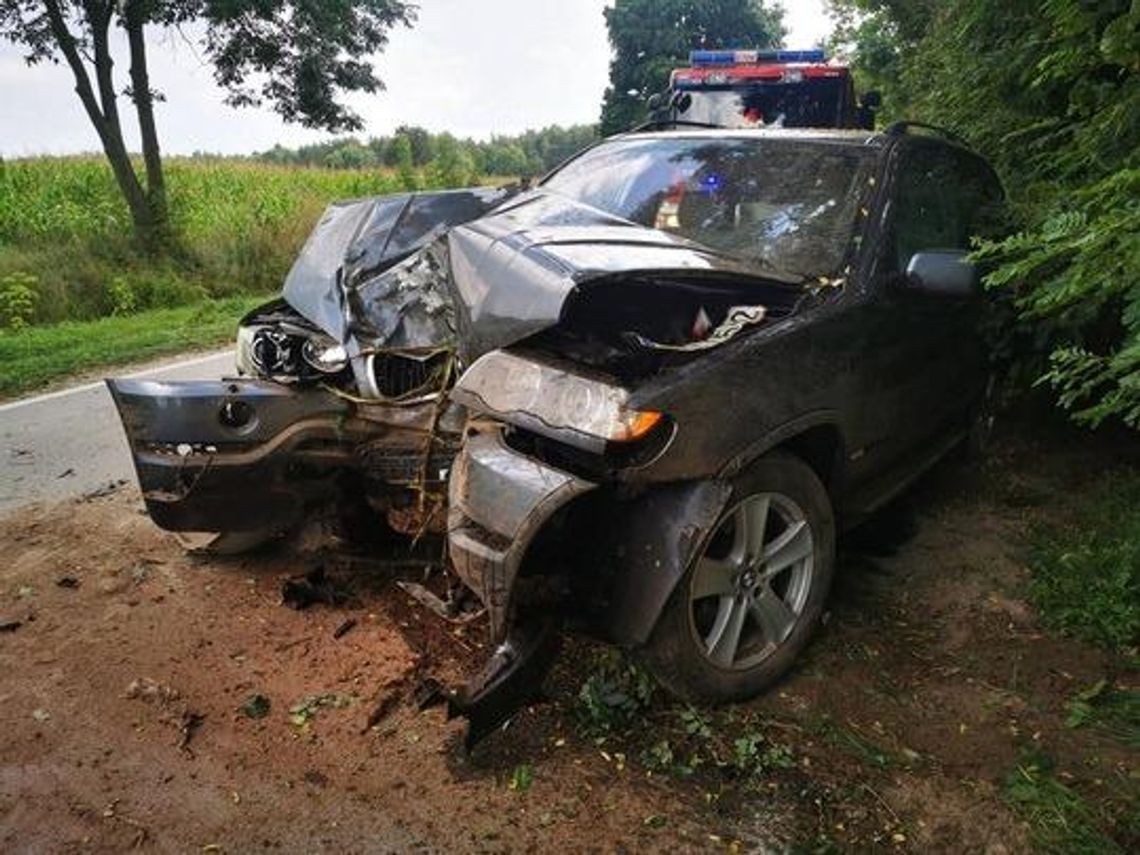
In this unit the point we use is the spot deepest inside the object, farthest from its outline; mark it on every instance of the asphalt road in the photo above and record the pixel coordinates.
(69, 442)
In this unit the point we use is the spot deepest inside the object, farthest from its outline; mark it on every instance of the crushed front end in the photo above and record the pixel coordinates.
(339, 392)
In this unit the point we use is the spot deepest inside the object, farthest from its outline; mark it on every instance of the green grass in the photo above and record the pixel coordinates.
(1060, 820)
(1111, 710)
(35, 356)
(1086, 574)
(237, 224)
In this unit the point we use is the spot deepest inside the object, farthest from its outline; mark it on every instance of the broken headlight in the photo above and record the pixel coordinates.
(285, 354)
(583, 411)
(324, 354)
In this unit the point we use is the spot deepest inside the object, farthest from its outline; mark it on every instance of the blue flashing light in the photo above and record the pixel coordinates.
(746, 57)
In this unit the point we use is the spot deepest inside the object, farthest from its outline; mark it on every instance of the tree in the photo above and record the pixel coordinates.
(297, 56)
(651, 37)
(1049, 91)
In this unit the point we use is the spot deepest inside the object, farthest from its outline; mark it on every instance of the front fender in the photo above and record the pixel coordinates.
(662, 532)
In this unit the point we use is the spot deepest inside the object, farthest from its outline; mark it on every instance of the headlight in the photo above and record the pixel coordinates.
(583, 411)
(244, 357)
(325, 355)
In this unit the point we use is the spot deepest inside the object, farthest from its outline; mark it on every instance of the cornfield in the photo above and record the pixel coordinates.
(237, 225)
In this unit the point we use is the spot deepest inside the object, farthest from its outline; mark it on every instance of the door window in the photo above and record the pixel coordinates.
(945, 198)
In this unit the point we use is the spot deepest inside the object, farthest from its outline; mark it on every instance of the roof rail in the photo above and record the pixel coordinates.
(898, 129)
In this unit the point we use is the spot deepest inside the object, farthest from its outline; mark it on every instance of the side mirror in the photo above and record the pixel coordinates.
(945, 272)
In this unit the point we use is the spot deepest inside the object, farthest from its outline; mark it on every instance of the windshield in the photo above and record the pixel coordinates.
(815, 103)
(789, 205)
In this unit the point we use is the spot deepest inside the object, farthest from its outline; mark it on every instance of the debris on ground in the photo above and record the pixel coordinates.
(67, 582)
(140, 832)
(152, 692)
(41, 715)
(304, 711)
(454, 609)
(104, 490)
(188, 725)
(300, 592)
(255, 706)
(66, 473)
(10, 624)
(344, 629)
(173, 710)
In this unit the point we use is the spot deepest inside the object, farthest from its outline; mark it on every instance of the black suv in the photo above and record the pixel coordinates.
(685, 359)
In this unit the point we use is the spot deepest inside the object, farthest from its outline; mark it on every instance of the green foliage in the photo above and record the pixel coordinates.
(522, 776)
(122, 296)
(17, 300)
(410, 149)
(1050, 92)
(1109, 709)
(1060, 821)
(652, 37)
(614, 695)
(1086, 576)
(238, 226)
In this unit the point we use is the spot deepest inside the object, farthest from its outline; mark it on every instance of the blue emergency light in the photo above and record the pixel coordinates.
(749, 57)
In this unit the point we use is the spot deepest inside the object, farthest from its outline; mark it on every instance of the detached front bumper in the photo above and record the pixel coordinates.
(499, 500)
(222, 455)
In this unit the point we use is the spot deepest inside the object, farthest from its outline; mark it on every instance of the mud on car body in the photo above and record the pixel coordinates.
(684, 359)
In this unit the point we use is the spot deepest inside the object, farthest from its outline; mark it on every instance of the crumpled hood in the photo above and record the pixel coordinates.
(431, 270)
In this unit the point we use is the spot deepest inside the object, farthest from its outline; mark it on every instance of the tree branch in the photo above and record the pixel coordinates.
(99, 20)
(134, 17)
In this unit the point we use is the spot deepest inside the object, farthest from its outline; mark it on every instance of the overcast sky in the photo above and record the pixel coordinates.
(472, 68)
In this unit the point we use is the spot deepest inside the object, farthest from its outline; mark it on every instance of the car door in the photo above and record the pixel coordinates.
(927, 362)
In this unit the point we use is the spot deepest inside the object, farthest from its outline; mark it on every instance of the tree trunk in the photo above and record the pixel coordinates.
(106, 126)
(148, 133)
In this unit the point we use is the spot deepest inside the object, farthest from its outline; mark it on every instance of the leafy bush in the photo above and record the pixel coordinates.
(17, 300)
(1049, 90)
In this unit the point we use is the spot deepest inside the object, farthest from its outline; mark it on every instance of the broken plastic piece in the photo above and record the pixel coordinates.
(508, 680)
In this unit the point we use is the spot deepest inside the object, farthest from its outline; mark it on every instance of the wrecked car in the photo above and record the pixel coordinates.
(649, 390)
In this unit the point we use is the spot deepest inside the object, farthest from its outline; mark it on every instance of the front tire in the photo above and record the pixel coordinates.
(753, 596)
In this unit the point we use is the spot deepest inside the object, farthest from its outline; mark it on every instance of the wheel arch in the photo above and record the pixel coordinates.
(815, 438)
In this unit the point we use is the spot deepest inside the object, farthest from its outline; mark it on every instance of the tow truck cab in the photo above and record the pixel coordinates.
(782, 88)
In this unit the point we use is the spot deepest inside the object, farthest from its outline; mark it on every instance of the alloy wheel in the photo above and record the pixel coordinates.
(749, 587)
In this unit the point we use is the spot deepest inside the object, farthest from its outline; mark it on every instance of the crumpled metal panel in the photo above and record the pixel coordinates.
(355, 240)
(476, 278)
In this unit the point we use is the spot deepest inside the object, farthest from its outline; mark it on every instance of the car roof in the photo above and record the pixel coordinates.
(833, 135)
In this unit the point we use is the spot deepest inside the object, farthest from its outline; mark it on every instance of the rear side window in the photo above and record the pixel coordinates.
(945, 197)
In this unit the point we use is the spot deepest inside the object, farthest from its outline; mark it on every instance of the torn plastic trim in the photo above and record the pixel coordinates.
(499, 500)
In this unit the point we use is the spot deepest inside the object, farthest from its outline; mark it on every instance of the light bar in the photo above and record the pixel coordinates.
(751, 57)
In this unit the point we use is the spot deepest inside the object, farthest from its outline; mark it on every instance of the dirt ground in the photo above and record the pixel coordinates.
(123, 685)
